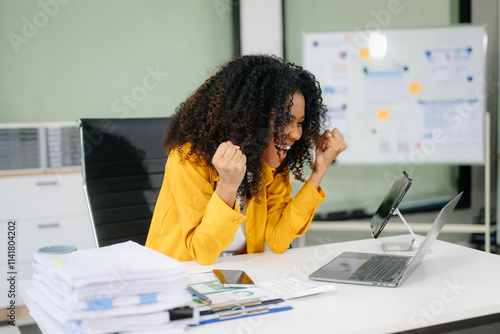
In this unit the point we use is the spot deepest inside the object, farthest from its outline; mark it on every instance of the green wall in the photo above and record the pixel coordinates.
(61, 60)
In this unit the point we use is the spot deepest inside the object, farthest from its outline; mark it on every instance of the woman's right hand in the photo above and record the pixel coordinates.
(230, 163)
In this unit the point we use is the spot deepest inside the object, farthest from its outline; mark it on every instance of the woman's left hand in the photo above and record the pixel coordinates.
(330, 144)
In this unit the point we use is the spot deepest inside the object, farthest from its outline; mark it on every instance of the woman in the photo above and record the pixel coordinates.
(232, 146)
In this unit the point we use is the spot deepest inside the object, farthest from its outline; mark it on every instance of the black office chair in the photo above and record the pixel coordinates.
(123, 162)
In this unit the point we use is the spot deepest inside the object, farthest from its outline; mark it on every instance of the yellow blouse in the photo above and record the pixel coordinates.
(191, 222)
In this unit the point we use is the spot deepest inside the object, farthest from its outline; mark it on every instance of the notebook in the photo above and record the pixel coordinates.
(381, 269)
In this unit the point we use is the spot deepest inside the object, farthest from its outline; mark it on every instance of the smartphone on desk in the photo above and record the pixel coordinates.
(230, 278)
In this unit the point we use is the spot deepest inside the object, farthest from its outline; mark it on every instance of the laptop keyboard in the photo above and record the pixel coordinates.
(380, 268)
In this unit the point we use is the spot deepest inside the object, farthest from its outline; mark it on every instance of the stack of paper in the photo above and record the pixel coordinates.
(125, 288)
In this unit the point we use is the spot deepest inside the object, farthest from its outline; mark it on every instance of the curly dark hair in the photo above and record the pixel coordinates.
(238, 104)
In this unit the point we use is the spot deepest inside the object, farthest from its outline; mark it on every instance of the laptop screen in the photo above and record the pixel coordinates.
(390, 203)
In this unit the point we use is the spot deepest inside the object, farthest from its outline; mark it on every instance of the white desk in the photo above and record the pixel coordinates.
(452, 284)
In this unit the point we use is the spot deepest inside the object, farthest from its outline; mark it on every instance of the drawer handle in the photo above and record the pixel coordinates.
(48, 225)
(46, 183)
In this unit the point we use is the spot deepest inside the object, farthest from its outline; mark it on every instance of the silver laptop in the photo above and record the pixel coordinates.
(381, 269)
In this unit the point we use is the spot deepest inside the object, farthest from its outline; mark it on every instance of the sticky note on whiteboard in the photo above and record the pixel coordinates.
(383, 114)
(364, 53)
(415, 87)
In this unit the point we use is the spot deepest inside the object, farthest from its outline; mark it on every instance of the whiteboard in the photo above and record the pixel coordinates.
(407, 96)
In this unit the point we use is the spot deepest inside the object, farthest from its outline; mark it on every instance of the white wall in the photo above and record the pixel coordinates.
(261, 24)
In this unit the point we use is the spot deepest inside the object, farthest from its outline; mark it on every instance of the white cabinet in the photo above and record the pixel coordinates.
(46, 201)
(48, 209)
(42, 195)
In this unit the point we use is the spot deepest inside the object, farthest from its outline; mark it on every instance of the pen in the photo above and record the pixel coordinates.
(204, 299)
(241, 311)
(231, 306)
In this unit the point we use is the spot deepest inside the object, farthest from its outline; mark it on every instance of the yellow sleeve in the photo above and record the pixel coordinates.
(208, 224)
(289, 218)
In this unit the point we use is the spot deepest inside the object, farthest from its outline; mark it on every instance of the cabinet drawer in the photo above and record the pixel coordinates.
(41, 195)
(34, 234)
(76, 231)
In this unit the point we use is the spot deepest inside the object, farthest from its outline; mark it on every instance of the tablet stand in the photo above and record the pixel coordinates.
(402, 247)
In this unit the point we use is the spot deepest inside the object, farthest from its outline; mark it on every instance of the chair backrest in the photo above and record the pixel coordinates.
(123, 162)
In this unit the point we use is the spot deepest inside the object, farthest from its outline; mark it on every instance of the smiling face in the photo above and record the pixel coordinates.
(273, 155)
